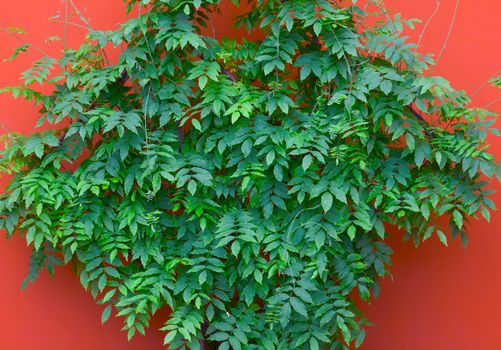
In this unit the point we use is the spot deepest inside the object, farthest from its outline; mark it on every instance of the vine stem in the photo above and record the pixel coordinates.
(492, 102)
(456, 6)
(69, 22)
(437, 7)
(484, 84)
(65, 35)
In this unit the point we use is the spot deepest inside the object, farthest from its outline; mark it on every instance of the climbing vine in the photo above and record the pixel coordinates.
(245, 185)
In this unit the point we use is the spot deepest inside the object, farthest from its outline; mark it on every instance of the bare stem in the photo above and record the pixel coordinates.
(65, 35)
(492, 102)
(69, 22)
(80, 15)
(437, 7)
(449, 32)
(3, 126)
(484, 84)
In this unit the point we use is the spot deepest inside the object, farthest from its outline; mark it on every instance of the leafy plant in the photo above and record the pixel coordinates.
(245, 185)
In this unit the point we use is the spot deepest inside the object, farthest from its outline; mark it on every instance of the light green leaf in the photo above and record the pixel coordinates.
(327, 201)
(106, 314)
(442, 237)
(458, 218)
(298, 306)
(307, 161)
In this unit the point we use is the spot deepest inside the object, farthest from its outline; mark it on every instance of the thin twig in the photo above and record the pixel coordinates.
(484, 84)
(69, 22)
(80, 15)
(65, 34)
(89, 27)
(437, 7)
(449, 32)
(3, 126)
(15, 36)
(492, 102)
(383, 10)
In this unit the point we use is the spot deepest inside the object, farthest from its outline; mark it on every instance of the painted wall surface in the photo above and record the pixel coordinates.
(439, 298)
(448, 298)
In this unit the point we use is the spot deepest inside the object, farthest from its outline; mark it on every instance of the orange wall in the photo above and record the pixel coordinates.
(449, 298)
(438, 299)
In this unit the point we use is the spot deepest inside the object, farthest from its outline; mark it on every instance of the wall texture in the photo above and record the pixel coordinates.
(438, 298)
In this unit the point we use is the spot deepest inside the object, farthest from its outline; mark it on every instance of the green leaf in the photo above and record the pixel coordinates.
(360, 339)
(298, 306)
(344, 329)
(411, 143)
(17, 51)
(235, 344)
(219, 336)
(192, 187)
(386, 86)
(419, 157)
(486, 214)
(132, 121)
(307, 161)
(285, 313)
(224, 346)
(352, 230)
(106, 314)
(438, 157)
(303, 294)
(458, 218)
(317, 28)
(202, 277)
(169, 337)
(313, 344)
(442, 237)
(327, 200)
(246, 184)
(196, 124)
(270, 157)
(240, 335)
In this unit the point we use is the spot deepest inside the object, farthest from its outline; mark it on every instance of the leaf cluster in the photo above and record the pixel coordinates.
(246, 185)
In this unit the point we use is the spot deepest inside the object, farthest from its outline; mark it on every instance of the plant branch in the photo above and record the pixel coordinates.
(65, 35)
(484, 84)
(80, 15)
(15, 36)
(417, 115)
(68, 22)
(492, 102)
